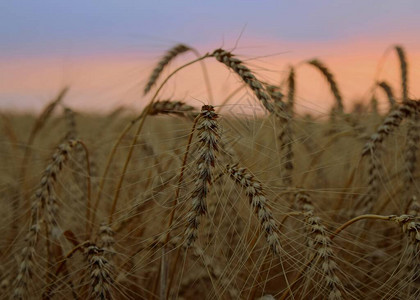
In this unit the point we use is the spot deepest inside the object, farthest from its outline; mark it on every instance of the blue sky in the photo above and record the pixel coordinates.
(79, 27)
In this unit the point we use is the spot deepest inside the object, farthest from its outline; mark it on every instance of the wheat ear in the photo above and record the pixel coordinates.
(291, 82)
(410, 226)
(42, 198)
(410, 156)
(39, 124)
(389, 93)
(170, 107)
(106, 239)
(247, 76)
(169, 56)
(286, 136)
(404, 72)
(373, 152)
(391, 122)
(330, 78)
(100, 273)
(275, 94)
(79, 157)
(208, 137)
(258, 201)
(413, 135)
(320, 244)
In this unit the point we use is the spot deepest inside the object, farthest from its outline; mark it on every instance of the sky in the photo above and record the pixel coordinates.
(105, 50)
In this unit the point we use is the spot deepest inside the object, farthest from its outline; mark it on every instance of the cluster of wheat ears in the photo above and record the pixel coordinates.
(185, 203)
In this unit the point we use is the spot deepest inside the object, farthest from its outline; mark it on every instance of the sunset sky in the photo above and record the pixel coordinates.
(105, 50)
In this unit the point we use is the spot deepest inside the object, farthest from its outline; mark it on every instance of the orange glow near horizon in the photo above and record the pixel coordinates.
(102, 83)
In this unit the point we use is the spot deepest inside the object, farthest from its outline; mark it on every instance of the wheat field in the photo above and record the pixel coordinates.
(184, 202)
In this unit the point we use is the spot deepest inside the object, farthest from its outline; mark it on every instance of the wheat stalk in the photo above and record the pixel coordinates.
(374, 105)
(411, 256)
(142, 119)
(69, 117)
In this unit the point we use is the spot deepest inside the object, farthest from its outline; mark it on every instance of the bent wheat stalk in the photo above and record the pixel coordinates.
(142, 118)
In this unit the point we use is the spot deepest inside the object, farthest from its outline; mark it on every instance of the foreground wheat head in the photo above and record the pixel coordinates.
(208, 137)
